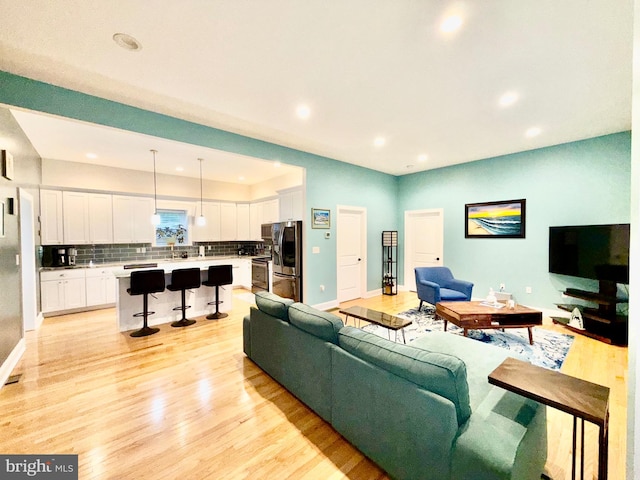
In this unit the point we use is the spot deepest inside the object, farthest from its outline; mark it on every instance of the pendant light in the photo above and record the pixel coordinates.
(201, 221)
(155, 218)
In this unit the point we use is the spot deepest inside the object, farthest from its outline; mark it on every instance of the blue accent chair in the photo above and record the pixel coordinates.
(436, 284)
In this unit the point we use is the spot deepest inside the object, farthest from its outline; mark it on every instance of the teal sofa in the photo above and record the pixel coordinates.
(419, 411)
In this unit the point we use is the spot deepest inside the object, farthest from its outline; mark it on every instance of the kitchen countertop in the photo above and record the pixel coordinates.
(159, 261)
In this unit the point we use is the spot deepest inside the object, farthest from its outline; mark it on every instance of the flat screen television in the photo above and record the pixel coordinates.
(599, 252)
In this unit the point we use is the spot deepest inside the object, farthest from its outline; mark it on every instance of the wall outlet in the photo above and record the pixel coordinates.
(528, 289)
(502, 287)
(315, 250)
(322, 288)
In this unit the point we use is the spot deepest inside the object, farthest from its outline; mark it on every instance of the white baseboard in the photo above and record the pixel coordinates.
(39, 320)
(12, 360)
(373, 293)
(326, 305)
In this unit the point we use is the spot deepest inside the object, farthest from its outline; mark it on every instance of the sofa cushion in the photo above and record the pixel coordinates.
(273, 305)
(441, 373)
(324, 325)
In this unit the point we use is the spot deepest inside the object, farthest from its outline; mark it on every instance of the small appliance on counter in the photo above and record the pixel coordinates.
(59, 256)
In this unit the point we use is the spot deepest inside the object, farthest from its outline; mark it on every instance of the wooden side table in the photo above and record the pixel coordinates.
(585, 400)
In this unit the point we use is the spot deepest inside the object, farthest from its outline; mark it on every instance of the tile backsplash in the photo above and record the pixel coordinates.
(123, 252)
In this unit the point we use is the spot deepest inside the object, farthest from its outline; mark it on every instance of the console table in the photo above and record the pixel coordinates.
(585, 400)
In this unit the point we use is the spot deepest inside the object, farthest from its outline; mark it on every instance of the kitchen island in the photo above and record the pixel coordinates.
(165, 302)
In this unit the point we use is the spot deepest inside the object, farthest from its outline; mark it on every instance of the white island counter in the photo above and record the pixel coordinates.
(127, 305)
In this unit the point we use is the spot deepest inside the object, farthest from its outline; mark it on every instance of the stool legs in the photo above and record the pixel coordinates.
(146, 329)
(183, 322)
(218, 314)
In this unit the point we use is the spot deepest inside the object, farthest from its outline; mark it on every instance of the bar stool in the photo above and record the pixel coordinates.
(146, 282)
(218, 275)
(184, 279)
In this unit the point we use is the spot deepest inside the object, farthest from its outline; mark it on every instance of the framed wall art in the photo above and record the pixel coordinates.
(505, 219)
(7, 165)
(320, 218)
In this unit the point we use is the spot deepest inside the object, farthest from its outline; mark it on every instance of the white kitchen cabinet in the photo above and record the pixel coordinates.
(100, 286)
(132, 219)
(210, 232)
(266, 211)
(243, 221)
(62, 290)
(270, 211)
(290, 205)
(228, 221)
(51, 225)
(100, 218)
(254, 221)
(76, 217)
(241, 272)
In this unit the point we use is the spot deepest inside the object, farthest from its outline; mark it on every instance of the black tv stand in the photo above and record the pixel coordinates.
(602, 322)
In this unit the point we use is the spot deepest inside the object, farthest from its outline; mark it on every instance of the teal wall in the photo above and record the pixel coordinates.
(585, 182)
(329, 182)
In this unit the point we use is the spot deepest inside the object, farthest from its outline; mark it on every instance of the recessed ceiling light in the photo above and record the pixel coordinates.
(451, 24)
(508, 99)
(423, 157)
(179, 169)
(91, 155)
(533, 132)
(379, 141)
(303, 111)
(277, 164)
(241, 178)
(127, 42)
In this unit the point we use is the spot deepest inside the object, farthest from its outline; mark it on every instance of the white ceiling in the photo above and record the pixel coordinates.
(58, 138)
(366, 68)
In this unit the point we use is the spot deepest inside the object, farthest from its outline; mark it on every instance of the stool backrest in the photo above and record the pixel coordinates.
(147, 281)
(220, 275)
(185, 278)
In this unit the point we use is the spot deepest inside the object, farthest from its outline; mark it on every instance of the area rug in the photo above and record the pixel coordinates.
(549, 348)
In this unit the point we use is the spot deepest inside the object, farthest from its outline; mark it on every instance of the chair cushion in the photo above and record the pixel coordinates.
(273, 305)
(448, 295)
(324, 325)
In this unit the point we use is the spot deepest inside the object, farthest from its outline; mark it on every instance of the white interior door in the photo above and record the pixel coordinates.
(28, 261)
(351, 252)
(424, 233)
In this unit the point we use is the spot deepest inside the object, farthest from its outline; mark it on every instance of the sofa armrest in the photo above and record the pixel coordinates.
(517, 429)
(461, 286)
(428, 291)
(246, 335)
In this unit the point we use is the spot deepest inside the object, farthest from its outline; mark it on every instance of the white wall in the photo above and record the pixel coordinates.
(75, 175)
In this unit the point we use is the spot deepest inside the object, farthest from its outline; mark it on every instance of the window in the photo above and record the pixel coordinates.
(172, 229)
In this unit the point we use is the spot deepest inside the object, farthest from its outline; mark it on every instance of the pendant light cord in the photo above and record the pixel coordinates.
(155, 189)
(201, 211)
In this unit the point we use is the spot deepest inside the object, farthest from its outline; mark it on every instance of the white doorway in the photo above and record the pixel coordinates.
(28, 261)
(351, 245)
(424, 240)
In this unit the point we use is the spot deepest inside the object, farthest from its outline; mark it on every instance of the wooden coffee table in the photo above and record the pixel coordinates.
(584, 400)
(390, 322)
(476, 316)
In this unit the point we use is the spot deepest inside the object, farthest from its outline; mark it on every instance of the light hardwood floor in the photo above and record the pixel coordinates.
(187, 403)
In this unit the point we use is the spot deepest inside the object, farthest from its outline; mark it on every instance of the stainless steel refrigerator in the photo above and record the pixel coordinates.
(287, 259)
